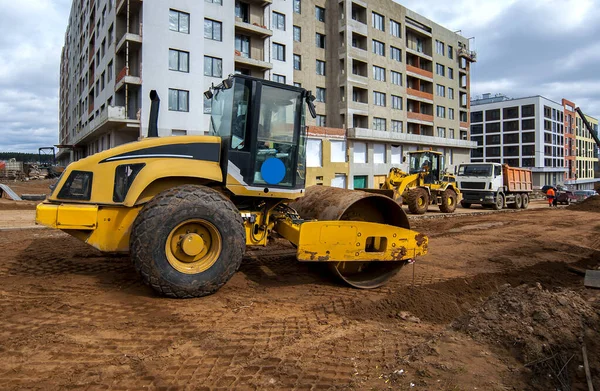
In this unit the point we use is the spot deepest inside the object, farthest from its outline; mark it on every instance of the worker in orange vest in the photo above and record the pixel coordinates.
(550, 194)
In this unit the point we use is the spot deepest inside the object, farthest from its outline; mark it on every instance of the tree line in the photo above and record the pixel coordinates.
(26, 157)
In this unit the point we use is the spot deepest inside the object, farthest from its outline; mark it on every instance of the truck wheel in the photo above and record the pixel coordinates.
(188, 241)
(465, 204)
(448, 204)
(499, 202)
(518, 202)
(524, 201)
(418, 201)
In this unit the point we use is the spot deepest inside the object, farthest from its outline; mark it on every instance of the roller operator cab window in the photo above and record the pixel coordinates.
(229, 114)
(276, 138)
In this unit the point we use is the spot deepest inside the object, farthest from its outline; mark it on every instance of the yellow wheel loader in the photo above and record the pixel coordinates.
(426, 183)
(185, 208)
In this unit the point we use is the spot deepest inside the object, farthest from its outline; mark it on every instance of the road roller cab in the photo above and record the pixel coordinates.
(186, 208)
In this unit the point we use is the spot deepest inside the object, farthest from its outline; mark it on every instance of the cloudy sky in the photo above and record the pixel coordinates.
(524, 47)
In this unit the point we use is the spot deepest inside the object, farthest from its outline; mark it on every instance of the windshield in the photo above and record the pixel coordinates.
(419, 162)
(229, 112)
(483, 170)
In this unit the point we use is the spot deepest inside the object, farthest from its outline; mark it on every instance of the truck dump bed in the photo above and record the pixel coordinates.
(517, 179)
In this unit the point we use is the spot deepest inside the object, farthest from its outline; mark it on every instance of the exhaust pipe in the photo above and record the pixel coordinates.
(153, 121)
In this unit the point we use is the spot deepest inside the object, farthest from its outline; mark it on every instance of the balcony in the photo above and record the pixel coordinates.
(420, 94)
(418, 72)
(125, 77)
(91, 107)
(252, 29)
(470, 55)
(121, 6)
(464, 125)
(420, 118)
(251, 62)
(261, 3)
(135, 42)
(357, 133)
(109, 119)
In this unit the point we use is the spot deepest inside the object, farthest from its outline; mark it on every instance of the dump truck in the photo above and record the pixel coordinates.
(185, 208)
(426, 183)
(494, 185)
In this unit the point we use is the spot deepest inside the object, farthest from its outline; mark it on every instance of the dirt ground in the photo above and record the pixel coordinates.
(487, 309)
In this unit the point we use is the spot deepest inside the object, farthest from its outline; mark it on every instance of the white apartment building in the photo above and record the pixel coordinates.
(524, 132)
(117, 51)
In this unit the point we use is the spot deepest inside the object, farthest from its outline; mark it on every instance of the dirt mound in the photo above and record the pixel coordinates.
(590, 204)
(17, 205)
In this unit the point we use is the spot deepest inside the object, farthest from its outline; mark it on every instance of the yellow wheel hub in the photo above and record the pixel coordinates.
(193, 246)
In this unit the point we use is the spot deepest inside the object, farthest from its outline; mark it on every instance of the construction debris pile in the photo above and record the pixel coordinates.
(14, 170)
(544, 329)
(591, 204)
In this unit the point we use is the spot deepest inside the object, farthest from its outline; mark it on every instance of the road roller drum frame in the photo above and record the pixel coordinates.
(186, 208)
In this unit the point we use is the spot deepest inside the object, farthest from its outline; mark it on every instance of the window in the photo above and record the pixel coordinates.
(441, 132)
(394, 28)
(378, 73)
(440, 90)
(179, 60)
(450, 114)
(179, 100)
(492, 115)
(278, 21)
(321, 120)
(439, 47)
(450, 52)
(379, 153)
(360, 153)
(109, 36)
(297, 62)
(395, 54)
(378, 48)
(242, 11)
(511, 126)
(476, 116)
(338, 151)
(451, 135)
(278, 78)
(297, 7)
(492, 127)
(378, 123)
(511, 112)
(179, 21)
(242, 45)
(298, 85)
(378, 21)
(528, 124)
(450, 73)
(320, 13)
(297, 34)
(360, 181)
(213, 66)
(396, 78)
(528, 111)
(278, 51)
(314, 153)
(441, 111)
(339, 180)
(378, 98)
(320, 95)
(220, 2)
(109, 71)
(440, 70)
(320, 40)
(320, 67)
(212, 30)
(102, 81)
(396, 103)
(450, 93)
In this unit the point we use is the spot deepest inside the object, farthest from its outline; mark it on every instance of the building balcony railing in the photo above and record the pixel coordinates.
(91, 80)
(253, 29)
(468, 54)
(91, 107)
(410, 115)
(419, 94)
(464, 125)
(124, 72)
(92, 49)
(419, 71)
(134, 39)
(251, 62)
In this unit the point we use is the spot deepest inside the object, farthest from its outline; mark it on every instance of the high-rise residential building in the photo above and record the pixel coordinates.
(116, 52)
(394, 79)
(525, 132)
(570, 116)
(587, 155)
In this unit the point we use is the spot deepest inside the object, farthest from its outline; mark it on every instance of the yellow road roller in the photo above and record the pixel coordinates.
(185, 208)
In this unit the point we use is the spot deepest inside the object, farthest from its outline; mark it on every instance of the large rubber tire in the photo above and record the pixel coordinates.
(418, 201)
(524, 200)
(465, 205)
(518, 202)
(159, 220)
(448, 204)
(499, 202)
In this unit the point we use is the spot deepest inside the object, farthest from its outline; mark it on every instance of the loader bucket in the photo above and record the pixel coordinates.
(330, 203)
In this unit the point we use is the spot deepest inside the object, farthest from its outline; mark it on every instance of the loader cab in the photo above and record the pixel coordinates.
(262, 128)
(429, 163)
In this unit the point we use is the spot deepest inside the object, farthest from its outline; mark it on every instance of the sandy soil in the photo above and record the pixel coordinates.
(72, 317)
